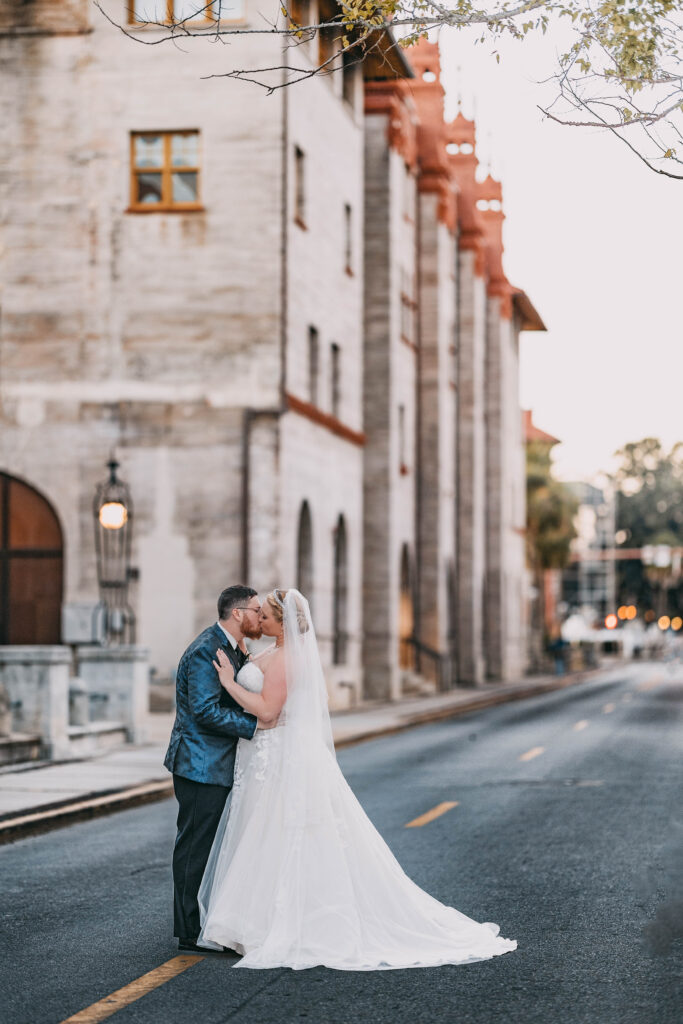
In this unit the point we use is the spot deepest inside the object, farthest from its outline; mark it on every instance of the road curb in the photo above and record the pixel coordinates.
(58, 815)
(94, 805)
(478, 702)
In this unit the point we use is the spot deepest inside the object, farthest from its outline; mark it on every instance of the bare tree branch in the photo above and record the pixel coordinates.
(622, 67)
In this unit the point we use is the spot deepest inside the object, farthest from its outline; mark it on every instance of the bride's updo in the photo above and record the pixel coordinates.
(276, 601)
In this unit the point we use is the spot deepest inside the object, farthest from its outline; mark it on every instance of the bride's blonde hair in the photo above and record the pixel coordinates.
(276, 601)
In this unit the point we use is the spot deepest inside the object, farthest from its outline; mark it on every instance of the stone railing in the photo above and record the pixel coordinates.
(121, 675)
(36, 680)
(73, 700)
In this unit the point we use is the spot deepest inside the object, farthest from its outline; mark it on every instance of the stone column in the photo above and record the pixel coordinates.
(496, 478)
(36, 680)
(471, 464)
(122, 673)
(380, 584)
(428, 460)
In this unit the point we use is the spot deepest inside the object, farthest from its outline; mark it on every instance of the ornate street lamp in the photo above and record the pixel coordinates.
(113, 510)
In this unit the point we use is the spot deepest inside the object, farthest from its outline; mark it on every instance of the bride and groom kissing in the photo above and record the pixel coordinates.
(275, 860)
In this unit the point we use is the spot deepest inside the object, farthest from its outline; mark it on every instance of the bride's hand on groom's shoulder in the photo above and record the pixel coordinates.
(224, 669)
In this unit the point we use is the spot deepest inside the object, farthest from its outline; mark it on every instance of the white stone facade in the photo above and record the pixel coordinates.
(262, 357)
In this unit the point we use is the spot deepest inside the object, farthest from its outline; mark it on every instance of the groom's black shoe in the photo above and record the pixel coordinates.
(186, 946)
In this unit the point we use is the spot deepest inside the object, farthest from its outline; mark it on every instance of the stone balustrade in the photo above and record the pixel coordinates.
(36, 679)
(65, 697)
(122, 674)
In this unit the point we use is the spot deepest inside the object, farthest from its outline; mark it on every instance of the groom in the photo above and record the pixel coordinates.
(201, 753)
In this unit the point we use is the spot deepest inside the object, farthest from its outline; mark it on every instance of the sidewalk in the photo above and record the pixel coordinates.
(37, 797)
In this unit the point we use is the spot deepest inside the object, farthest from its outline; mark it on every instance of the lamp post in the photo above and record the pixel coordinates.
(113, 511)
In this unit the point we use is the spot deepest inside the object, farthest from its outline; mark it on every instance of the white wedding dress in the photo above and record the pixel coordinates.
(298, 876)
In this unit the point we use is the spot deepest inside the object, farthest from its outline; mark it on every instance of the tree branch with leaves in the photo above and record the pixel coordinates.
(616, 64)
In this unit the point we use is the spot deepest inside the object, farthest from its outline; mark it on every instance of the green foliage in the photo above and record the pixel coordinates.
(649, 512)
(550, 512)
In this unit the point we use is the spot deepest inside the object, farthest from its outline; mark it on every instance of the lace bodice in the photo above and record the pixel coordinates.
(250, 677)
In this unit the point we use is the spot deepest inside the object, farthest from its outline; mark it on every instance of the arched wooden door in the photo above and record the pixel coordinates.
(31, 564)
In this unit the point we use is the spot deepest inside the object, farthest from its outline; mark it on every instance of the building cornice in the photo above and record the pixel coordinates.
(392, 100)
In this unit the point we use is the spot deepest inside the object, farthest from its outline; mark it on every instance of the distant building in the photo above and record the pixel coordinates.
(589, 582)
(289, 317)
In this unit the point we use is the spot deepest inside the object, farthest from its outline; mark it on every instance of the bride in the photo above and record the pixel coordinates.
(298, 876)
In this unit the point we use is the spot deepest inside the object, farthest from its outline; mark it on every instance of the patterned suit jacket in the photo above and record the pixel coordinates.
(208, 721)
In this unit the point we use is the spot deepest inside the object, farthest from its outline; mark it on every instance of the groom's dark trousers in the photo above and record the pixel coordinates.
(200, 806)
(201, 756)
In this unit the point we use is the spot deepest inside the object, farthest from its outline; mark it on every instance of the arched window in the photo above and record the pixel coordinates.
(304, 554)
(339, 628)
(30, 566)
(406, 613)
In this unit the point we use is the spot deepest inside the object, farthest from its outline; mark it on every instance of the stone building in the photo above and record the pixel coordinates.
(444, 563)
(589, 582)
(287, 316)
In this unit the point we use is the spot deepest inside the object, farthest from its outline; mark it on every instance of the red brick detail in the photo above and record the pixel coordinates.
(435, 174)
(534, 433)
(393, 99)
(323, 419)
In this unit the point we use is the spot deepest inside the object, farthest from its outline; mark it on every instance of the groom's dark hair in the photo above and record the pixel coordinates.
(233, 597)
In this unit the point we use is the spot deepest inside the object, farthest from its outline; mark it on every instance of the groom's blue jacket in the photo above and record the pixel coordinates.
(208, 721)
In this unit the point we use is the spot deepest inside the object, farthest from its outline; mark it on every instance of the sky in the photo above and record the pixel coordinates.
(595, 239)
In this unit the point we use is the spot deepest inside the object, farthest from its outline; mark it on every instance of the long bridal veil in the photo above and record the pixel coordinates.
(302, 877)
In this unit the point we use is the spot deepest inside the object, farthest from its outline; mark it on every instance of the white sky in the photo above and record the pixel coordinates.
(594, 238)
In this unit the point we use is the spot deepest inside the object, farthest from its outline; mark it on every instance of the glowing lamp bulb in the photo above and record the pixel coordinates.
(676, 623)
(611, 622)
(664, 622)
(113, 515)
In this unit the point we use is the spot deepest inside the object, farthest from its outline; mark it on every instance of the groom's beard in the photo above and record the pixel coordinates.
(253, 632)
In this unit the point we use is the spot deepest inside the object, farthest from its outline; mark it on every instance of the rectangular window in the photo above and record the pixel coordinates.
(313, 364)
(408, 195)
(327, 49)
(165, 171)
(299, 12)
(350, 61)
(335, 382)
(348, 239)
(408, 307)
(299, 187)
(327, 37)
(402, 440)
(170, 12)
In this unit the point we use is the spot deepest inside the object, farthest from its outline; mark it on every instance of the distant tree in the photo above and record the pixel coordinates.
(649, 512)
(616, 63)
(551, 509)
(550, 512)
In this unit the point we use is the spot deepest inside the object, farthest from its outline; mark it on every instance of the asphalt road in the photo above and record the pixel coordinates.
(568, 832)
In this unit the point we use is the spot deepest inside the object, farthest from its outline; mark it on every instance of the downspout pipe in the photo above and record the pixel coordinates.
(250, 414)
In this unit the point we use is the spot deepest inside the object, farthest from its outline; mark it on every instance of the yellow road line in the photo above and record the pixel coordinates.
(530, 754)
(581, 725)
(608, 709)
(129, 993)
(435, 812)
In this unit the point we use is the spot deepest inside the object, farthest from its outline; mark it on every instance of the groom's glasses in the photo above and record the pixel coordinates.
(243, 608)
